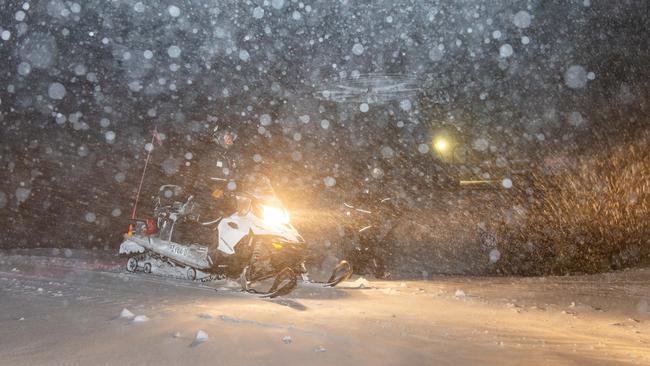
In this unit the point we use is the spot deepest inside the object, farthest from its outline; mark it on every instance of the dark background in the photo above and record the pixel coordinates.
(65, 184)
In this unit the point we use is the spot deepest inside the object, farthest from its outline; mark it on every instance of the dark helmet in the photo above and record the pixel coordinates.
(224, 135)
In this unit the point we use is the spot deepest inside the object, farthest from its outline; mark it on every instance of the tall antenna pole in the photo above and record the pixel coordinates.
(144, 171)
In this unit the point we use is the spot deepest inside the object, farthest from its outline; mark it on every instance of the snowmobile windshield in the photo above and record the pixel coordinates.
(259, 187)
(169, 193)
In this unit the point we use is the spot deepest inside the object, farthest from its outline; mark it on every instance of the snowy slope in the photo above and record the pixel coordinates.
(66, 309)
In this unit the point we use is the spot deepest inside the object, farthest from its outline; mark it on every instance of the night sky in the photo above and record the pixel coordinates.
(517, 85)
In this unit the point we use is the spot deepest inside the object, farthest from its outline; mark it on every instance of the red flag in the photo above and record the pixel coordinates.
(156, 137)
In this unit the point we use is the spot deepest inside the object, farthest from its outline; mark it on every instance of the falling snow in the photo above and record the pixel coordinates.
(575, 77)
(56, 91)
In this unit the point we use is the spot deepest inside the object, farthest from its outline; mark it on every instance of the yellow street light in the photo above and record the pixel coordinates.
(440, 145)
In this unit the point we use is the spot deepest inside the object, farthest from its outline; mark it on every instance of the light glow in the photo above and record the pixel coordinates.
(275, 216)
(441, 145)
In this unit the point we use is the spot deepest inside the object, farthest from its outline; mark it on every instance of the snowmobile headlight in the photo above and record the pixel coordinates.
(275, 216)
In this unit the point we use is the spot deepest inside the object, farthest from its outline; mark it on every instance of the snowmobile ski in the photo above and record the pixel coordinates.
(341, 272)
(285, 281)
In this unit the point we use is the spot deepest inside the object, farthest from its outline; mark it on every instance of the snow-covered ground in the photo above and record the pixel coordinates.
(72, 307)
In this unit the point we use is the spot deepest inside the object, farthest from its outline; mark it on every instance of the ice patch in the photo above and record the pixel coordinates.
(140, 319)
(126, 314)
(201, 336)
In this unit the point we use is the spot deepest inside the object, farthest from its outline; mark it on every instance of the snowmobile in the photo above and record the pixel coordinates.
(368, 235)
(255, 243)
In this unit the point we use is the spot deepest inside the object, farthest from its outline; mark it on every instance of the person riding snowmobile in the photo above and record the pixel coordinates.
(216, 172)
(210, 181)
(372, 210)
